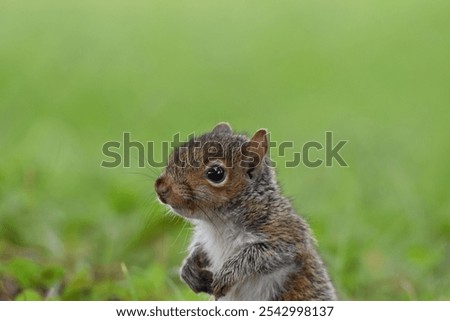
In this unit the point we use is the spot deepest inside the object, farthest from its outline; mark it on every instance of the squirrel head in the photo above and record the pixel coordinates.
(204, 175)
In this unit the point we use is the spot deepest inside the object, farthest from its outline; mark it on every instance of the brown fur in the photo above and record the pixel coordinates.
(265, 235)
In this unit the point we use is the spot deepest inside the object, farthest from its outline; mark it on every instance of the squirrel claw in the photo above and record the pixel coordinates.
(199, 280)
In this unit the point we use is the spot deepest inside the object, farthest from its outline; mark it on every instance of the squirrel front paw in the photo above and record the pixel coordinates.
(198, 279)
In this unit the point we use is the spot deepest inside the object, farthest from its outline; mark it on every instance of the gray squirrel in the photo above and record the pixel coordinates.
(248, 242)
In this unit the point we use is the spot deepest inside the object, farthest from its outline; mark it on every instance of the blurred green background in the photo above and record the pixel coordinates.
(76, 74)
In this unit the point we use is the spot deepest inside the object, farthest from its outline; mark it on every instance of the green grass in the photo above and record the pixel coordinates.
(75, 74)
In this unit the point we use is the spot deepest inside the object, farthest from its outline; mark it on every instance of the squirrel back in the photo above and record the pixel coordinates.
(248, 243)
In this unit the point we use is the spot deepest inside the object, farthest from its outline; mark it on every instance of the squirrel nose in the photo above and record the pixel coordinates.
(162, 189)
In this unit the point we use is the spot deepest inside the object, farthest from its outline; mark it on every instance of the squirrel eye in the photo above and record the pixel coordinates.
(216, 174)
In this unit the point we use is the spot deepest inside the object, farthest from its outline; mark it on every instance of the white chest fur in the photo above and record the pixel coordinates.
(221, 244)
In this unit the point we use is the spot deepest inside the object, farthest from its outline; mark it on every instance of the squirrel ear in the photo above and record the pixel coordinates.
(255, 150)
(260, 142)
(223, 128)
